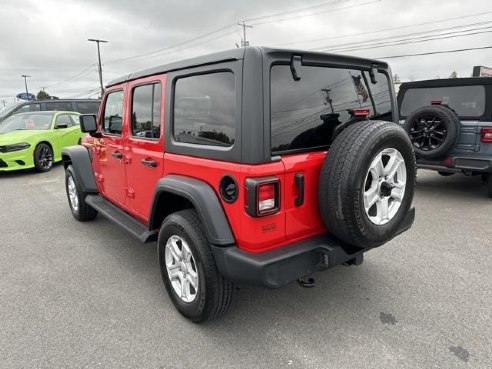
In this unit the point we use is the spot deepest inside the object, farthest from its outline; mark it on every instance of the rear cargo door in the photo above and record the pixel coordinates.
(303, 115)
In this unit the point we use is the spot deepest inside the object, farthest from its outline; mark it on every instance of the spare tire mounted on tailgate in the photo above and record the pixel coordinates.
(433, 130)
(366, 183)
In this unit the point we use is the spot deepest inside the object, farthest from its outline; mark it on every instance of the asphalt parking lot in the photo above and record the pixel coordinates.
(75, 295)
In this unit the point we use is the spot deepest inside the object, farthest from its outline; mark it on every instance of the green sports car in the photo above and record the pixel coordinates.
(35, 139)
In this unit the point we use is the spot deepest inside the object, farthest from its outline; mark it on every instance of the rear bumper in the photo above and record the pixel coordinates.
(457, 164)
(286, 264)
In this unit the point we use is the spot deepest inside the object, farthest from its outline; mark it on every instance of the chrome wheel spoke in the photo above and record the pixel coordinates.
(370, 197)
(181, 268)
(385, 186)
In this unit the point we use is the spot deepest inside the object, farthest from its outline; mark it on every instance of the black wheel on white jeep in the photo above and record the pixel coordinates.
(433, 130)
(195, 286)
(367, 182)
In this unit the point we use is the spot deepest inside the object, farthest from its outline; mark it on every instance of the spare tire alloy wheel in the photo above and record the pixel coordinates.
(428, 133)
(181, 269)
(366, 183)
(385, 185)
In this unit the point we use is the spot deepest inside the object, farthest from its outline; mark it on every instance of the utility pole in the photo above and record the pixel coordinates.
(99, 59)
(244, 42)
(25, 81)
(328, 98)
(4, 103)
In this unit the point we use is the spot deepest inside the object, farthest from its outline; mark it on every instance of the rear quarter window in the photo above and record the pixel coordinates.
(205, 109)
(466, 101)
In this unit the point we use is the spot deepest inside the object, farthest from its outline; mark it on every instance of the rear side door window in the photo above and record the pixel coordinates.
(113, 114)
(146, 111)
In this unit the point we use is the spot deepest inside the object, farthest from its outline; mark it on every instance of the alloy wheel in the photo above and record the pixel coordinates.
(428, 132)
(181, 268)
(384, 186)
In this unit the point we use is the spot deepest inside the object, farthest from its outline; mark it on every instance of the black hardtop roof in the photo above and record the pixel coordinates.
(447, 82)
(235, 54)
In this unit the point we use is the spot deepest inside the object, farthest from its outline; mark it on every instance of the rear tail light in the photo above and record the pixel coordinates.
(262, 196)
(436, 102)
(486, 134)
(361, 112)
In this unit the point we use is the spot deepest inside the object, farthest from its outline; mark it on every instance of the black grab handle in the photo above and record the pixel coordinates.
(299, 181)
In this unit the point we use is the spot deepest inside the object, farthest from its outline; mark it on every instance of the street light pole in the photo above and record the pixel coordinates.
(25, 81)
(99, 60)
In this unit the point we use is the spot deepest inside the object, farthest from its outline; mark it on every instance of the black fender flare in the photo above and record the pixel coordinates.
(78, 157)
(204, 199)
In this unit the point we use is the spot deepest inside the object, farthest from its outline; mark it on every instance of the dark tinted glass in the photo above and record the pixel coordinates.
(29, 107)
(304, 112)
(146, 111)
(113, 113)
(467, 101)
(87, 107)
(205, 109)
(63, 119)
(59, 105)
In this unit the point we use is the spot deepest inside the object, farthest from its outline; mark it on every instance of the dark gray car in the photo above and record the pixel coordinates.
(83, 106)
(450, 125)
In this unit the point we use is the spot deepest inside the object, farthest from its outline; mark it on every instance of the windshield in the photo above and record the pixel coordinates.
(6, 111)
(304, 112)
(25, 122)
(466, 101)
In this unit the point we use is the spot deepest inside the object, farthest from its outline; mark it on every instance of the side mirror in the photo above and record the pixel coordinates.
(61, 125)
(88, 124)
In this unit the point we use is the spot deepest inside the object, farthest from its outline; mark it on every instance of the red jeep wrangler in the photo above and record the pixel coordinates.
(252, 166)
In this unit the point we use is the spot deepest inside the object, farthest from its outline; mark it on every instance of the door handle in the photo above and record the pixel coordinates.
(117, 154)
(299, 181)
(149, 163)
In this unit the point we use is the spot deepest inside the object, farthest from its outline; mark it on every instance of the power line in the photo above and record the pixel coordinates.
(412, 41)
(398, 38)
(385, 29)
(296, 10)
(435, 52)
(171, 46)
(203, 37)
(317, 13)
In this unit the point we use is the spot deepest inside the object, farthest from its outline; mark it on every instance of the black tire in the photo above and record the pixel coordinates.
(445, 174)
(43, 157)
(345, 173)
(433, 130)
(214, 292)
(488, 183)
(83, 212)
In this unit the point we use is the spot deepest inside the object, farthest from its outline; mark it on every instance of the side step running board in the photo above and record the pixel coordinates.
(118, 216)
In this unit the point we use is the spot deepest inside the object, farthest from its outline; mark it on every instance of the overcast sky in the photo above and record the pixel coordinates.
(48, 39)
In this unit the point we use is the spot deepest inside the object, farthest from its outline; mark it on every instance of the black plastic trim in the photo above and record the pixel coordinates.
(278, 267)
(299, 182)
(476, 164)
(79, 158)
(205, 201)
